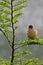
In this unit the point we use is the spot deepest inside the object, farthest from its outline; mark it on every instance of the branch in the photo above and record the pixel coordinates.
(12, 20)
(5, 36)
(19, 47)
(13, 39)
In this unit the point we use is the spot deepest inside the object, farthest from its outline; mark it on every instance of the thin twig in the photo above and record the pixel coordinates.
(6, 37)
(19, 47)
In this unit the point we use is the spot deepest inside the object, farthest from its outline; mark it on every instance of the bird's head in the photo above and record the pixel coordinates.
(30, 26)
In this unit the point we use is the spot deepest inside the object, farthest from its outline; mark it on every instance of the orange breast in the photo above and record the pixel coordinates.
(32, 33)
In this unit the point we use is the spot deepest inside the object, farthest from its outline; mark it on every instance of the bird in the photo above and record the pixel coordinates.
(32, 32)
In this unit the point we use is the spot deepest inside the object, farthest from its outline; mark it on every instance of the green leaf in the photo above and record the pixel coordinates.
(16, 27)
(17, 16)
(5, 25)
(16, 21)
(4, 4)
(5, 18)
(7, 1)
(20, 7)
(31, 61)
(5, 11)
(1, 20)
(22, 53)
(20, 2)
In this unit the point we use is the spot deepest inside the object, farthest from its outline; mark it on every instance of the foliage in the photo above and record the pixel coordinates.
(22, 61)
(4, 62)
(20, 57)
(37, 41)
(5, 15)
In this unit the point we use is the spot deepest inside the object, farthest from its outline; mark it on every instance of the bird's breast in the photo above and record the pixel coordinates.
(32, 33)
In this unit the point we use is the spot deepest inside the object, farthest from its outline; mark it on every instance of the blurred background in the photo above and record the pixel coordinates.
(33, 14)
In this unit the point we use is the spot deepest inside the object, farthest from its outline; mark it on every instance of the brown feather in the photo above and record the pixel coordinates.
(32, 33)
